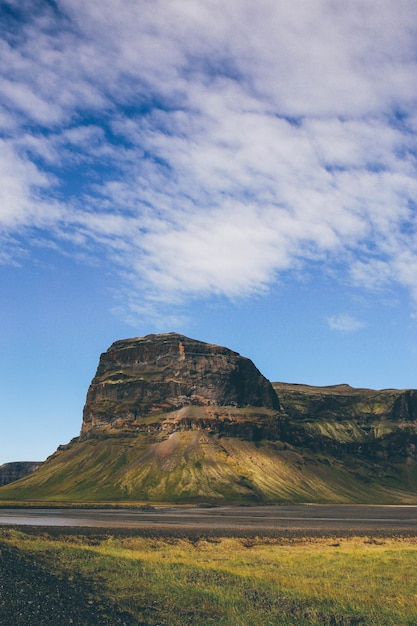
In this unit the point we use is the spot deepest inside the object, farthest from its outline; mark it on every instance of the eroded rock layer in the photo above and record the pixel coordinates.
(10, 472)
(144, 376)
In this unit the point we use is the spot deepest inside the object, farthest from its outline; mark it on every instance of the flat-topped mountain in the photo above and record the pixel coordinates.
(10, 472)
(366, 422)
(145, 376)
(171, 419)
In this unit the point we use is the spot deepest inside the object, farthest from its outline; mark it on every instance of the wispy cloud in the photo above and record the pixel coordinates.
(205, 149)
(345, 323)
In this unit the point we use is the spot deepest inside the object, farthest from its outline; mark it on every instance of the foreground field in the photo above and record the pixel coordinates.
(126, 578)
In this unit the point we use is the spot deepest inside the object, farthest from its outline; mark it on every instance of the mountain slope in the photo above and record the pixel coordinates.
(170, 419)
(192, 466)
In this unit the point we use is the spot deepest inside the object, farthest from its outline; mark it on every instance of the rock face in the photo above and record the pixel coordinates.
(341, 419)
(340, 402)
(144, 376)
(9, 472)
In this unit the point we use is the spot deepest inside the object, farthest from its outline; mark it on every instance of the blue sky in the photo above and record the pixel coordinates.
(244, 173)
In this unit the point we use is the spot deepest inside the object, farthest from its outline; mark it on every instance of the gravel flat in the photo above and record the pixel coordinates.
(269, 519)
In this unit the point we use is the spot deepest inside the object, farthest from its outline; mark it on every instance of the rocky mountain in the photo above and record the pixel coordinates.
(9, 472)
(168, 418)
(340, 419)
(139, 380)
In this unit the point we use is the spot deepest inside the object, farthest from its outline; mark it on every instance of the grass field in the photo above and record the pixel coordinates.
(239, 581)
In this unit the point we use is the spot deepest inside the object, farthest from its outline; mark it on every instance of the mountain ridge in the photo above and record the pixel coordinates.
(172, 419)
(14, 470)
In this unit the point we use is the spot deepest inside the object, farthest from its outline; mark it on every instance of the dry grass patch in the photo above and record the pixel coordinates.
(239, 581)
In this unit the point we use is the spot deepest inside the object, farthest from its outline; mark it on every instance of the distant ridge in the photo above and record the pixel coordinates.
(9, 472)
(171, 419)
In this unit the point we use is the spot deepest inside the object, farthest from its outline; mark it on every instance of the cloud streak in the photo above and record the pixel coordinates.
(345, 323)
(206, 149)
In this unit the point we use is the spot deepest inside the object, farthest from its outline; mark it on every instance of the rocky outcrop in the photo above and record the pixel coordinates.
(157, 374)
(340, 419)
(9, 472)
(341, 402)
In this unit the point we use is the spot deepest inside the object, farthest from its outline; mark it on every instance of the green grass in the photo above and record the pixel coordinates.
(239, 581)
(194, 466)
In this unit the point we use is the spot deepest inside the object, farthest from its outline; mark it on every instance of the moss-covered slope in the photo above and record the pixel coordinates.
(170, 419)
(196, 465)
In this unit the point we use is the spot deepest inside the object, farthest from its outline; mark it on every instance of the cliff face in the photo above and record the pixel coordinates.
(141, 377)
(339, 402)
(341, 419)
(10, 472)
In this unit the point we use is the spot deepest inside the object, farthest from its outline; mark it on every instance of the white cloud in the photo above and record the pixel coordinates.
(206, 148)
(345, 323)
(22, 183)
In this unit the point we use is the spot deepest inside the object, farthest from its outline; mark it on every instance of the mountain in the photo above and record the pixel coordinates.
(168, 418)
(9, 472)
(145, 380)
(340, 419)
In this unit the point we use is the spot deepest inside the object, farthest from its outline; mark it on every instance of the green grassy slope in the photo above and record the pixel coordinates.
(191, 467)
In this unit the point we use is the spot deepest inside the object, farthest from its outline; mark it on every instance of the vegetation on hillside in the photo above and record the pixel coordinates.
(191, 467)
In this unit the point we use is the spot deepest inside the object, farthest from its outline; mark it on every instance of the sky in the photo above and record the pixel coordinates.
(241, 172)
